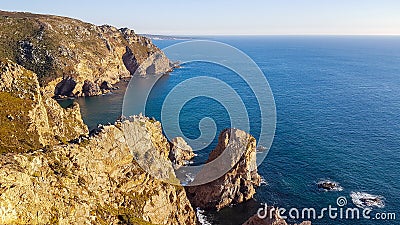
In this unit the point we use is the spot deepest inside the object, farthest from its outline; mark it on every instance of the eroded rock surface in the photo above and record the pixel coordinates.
(91, 89)
(36, 121)
(70, 51)
(180, 152)
(45, 178)
(238, 151)
(97, 181)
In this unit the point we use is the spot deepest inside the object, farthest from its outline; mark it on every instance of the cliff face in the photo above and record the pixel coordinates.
(28, 119)
(66, 52)
(180, 152)
(90, 180)
(235, 186)
(96, 181)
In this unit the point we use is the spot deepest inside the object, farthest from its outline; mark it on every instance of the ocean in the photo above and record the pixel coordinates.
(338, 118)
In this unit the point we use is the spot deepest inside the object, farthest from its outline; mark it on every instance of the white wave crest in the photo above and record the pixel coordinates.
(263, 182)
(201, 217)
(365, 200)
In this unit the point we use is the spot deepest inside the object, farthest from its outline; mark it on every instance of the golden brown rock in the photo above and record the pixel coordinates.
(238, 151)
(96, 181)
(180, 152)
(30, 121)
(92, 180)
(72, 52)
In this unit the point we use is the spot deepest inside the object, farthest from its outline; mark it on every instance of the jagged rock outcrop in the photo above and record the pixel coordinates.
(180, 152)
(106, 86)
(30, 121)
(66, 52)
(238, 151)
(65, 87)
(96, 181)
(152, 155)
(155, 65)
(89, 180)
(90, 88)
(269, 219)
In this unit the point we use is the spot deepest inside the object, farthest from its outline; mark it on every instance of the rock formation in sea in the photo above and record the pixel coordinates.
(73, 58)
(328, 185)
(180, 152)
(238, 183)
(51, 171)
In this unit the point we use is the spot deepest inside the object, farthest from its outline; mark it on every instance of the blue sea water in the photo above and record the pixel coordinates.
(338, 118)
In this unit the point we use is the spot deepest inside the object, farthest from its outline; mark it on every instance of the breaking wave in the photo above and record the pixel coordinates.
(201, 217)
(365, 200)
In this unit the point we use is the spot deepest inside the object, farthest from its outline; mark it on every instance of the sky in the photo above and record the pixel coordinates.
(229, 17)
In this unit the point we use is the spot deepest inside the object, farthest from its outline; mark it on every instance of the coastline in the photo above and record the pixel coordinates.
(337, 128)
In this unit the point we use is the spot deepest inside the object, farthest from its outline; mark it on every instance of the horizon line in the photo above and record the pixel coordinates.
(193, 35)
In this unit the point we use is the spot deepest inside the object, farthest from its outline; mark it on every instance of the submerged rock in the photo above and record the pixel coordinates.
(365, 200)
(328, 185)
(238, 184)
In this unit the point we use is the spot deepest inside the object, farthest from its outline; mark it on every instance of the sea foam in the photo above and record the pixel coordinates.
(201, 217)
(365, 200)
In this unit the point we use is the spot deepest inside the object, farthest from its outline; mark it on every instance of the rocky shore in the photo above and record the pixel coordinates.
(58, 174)
(54, 171)
(74, 58)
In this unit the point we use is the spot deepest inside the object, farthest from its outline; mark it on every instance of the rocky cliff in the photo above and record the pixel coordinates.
(29, 120)
(96, 181)
(238, 150)
(81, 179)
(180, 152)
(72, 57)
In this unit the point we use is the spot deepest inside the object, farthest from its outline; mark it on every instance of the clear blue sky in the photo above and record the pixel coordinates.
(194, 17)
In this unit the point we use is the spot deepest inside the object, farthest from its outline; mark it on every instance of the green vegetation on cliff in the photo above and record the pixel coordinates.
(57, 47)
(29, 120)
(53, 172)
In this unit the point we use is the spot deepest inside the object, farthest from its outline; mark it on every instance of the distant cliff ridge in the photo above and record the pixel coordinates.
(74, 58)
(165, 37)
